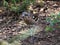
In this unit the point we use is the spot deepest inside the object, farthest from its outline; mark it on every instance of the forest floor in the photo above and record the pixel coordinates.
(11, 24)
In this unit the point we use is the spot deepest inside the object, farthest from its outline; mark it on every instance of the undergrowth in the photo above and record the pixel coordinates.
(17, 5)
(54, 22)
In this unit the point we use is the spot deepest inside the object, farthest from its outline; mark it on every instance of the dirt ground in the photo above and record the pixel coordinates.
(11, 24)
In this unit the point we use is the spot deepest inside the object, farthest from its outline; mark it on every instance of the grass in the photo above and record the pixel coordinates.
(53, 20)
(17, 8)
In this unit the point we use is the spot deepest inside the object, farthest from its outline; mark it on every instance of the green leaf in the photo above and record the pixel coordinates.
(48, 28)
(5, 3)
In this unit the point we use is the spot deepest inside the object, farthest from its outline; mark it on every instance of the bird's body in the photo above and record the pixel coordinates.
(28, 18)
(29, 21)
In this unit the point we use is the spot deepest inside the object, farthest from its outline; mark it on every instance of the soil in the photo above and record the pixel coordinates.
(11, 24)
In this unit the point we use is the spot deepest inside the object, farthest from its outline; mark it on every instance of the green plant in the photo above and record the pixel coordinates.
(52, 20)
(17, 8)
(49, 28)
(5, 3)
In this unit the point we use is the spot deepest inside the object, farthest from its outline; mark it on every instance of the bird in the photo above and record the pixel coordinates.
(28, 19)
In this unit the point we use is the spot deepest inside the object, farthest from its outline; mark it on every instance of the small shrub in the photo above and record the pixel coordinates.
(52, 20)
(5, 3)
(17, 8)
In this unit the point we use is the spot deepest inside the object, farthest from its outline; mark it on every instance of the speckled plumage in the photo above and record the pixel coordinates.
(29, 20)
